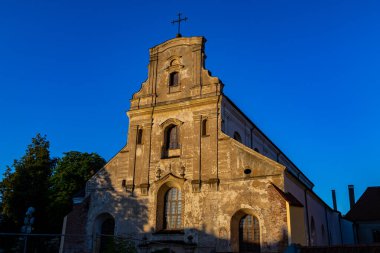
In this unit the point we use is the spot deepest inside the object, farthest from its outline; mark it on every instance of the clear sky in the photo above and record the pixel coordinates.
(306, 72)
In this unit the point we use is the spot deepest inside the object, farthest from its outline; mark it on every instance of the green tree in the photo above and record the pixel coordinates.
(27, 184)
(69, 177)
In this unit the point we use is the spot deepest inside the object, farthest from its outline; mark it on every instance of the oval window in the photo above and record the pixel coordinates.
(247, 171)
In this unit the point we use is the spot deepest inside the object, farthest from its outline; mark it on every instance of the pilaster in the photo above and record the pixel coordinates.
(147, 146)
(197, 150)
(130, 183)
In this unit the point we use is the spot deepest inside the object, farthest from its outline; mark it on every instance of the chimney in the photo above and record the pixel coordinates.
(334, 200)
(351, 195)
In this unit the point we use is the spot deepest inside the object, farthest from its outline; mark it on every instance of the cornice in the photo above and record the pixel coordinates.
(176, 105)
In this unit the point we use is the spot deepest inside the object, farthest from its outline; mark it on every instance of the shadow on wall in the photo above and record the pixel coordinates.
(102, 212)
(103, 225)
(195, 240)
(178, 242)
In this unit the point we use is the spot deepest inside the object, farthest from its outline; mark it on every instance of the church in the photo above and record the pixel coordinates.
(197, 175)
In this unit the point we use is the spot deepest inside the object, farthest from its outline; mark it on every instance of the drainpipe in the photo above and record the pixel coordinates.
(340, 229)
(307, 219)
(328, 228)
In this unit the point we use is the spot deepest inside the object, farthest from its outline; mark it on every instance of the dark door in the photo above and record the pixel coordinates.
(249, 234)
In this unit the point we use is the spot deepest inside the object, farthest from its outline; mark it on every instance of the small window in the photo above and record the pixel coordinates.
(237, 136)
(204, 127)
(173, 79)
(139, 136)
(247, 171)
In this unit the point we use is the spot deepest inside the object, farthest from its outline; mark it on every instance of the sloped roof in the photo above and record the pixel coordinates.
(367, 208)
(297, 173)
(290, 198)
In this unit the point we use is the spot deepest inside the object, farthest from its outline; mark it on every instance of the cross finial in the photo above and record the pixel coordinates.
(179, 20)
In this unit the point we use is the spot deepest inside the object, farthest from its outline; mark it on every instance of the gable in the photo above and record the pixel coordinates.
(176, 72)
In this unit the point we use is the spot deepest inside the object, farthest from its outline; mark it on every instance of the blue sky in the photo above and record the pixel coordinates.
(306, 72)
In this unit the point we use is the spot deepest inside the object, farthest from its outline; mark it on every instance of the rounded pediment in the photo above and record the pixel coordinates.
(174, 63)
(182, 41)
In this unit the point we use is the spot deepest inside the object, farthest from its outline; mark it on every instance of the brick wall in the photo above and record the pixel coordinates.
(75, 233)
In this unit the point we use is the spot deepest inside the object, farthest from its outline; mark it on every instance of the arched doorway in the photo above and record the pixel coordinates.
(104, 230)
(249, 234)
(108, 226)
(245, 232)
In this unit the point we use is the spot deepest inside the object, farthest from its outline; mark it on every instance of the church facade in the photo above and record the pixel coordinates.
(196, 175)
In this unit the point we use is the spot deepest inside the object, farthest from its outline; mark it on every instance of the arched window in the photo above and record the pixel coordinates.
(139, 136)
(204, 127)
(249, 234)
(237, 136)
(173, 209)
(171, 138)
(173, 79)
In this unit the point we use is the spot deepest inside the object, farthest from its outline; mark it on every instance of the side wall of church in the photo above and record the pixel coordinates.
(233, 120)
(322, 223)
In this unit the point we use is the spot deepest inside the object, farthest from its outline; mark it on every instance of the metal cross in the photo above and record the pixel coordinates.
(179, 20)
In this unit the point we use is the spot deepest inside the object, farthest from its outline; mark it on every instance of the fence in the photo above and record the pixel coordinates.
(60, 243)
(341, 249)
(12, 242)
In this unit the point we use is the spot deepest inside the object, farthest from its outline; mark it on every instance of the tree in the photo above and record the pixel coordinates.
(27, 184)
(69, 177)
(46, 184)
